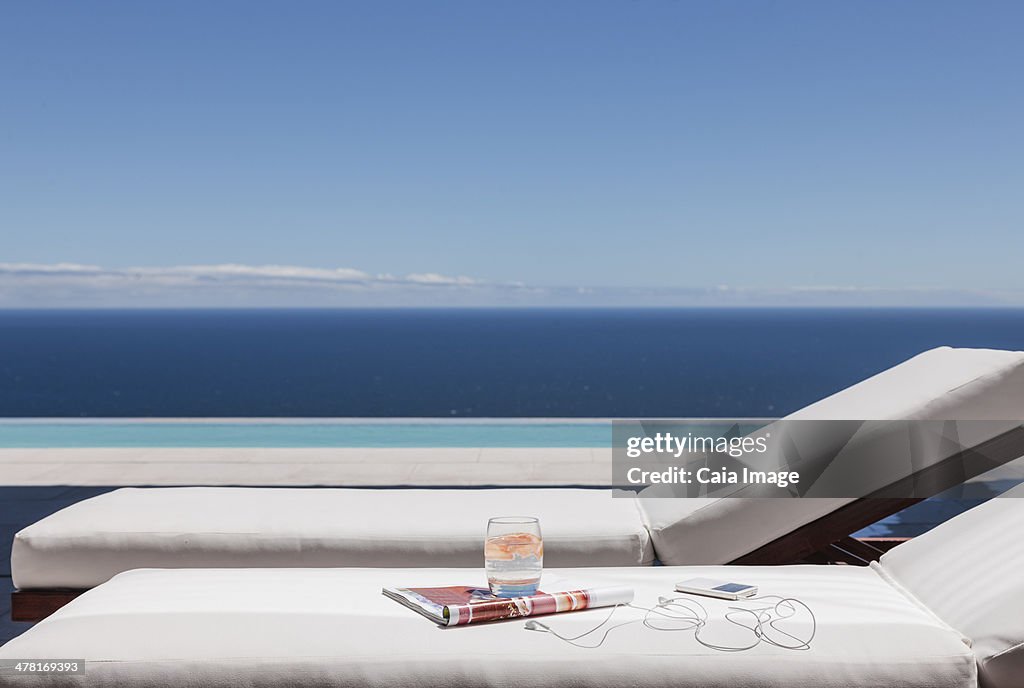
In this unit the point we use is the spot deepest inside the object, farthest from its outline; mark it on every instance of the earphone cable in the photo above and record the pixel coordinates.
(687, 614)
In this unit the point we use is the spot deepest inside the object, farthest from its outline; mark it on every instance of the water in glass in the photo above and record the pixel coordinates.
(513, 555)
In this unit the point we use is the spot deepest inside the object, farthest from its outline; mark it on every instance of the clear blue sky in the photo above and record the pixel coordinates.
(668, 144)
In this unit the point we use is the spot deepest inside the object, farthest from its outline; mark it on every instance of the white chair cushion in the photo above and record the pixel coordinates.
(941, 384)
(207, 527)
(706, 531)
(332, 627)
(970, 572)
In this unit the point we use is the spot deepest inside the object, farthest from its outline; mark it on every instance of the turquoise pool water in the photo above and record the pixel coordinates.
(305, 434)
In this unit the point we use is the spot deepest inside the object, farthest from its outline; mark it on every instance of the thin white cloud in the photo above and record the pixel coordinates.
(263, 271)
(434, 278)
(192, 274)
(72, 285)
(228, 284)
(48, 269)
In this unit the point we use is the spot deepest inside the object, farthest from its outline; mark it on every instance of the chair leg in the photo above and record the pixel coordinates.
(36, 605)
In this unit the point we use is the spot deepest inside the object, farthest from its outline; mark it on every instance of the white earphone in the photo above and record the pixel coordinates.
(687, 614)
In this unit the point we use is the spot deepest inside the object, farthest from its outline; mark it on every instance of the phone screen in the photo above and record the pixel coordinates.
(731, 587)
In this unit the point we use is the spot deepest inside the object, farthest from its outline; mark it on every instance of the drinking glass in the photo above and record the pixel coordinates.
(513, 555)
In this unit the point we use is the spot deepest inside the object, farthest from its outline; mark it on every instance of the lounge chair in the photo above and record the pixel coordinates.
(945, 610)
(87, 543)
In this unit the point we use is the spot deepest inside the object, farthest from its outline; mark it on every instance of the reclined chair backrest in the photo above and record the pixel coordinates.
(970, 572)
(940, 384)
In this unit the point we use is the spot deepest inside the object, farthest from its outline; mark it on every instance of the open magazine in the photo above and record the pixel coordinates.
(457, 605)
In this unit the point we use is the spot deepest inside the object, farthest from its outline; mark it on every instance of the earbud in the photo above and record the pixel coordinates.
(536, 626)
(663, 600)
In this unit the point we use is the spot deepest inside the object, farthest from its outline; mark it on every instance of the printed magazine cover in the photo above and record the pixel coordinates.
(458, 605)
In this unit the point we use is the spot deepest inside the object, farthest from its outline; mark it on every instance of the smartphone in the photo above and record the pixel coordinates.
(710, 587)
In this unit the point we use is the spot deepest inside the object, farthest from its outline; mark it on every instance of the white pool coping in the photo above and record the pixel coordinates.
(324, 466)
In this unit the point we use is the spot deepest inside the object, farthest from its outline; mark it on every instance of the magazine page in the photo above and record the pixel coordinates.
(460, 605)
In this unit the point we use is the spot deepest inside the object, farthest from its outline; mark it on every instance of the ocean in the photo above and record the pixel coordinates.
(461, 363)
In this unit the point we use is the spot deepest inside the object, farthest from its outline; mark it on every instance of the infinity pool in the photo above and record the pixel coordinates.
(272, 433)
